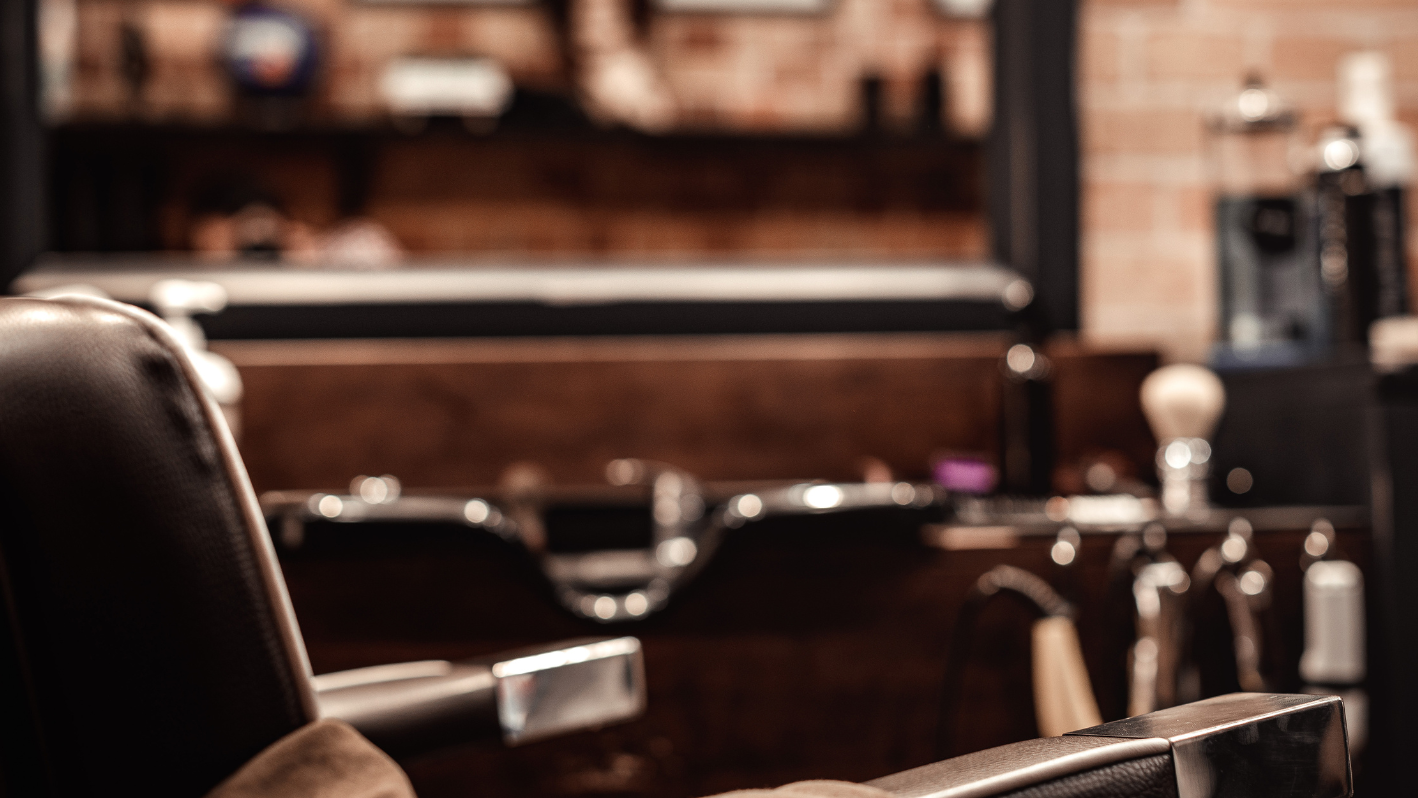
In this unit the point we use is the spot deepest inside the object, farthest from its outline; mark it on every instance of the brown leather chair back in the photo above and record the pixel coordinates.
(149, 646)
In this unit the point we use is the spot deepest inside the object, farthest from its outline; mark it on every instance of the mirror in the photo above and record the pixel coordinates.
(522, 141)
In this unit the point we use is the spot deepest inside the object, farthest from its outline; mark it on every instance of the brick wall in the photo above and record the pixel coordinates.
(1149, 70)
(731, 72)
(911, 192)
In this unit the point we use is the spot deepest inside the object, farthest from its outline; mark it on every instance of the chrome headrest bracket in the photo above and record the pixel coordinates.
(1250, 745)
(563, 687)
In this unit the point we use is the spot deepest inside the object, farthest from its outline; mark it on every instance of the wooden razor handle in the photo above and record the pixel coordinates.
(1063, 696)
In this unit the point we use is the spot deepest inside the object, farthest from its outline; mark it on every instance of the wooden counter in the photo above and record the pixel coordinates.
(459, 412)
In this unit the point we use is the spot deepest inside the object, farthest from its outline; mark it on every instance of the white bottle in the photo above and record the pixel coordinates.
(1366, 102)
(1334, 661)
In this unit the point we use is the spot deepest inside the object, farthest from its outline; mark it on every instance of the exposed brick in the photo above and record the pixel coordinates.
(522, 40)
(1111, 207)
(1188, 55)
(1166, 284)
(317, 9)
(376, 33)
(1404, 52)
(699, 34)
(1191, 208)
(1307, 58)
(1127, 3)
(1099, 56)
(1283, 6)
(444, 32)
(182, 32)
(1143, 130)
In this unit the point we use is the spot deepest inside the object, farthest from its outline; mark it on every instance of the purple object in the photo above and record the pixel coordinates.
(965, 475)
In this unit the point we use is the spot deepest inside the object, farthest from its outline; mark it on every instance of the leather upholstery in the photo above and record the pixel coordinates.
(150, 641)
(1022, 767)
(1148, 777)
(417, 707)
(1243, 744)
(819, 788)
(325, 759)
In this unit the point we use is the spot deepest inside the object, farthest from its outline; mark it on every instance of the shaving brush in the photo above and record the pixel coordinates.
(1183, 403)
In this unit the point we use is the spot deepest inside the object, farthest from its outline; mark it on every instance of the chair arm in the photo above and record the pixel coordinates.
(525, 695)
(1245, 744)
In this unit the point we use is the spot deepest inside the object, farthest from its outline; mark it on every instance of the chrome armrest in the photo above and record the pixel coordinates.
(523, 695)
(1244, 745)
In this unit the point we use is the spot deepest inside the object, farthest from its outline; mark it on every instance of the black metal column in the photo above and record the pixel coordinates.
(1033, 157)
(21, 142)
(1393, 588)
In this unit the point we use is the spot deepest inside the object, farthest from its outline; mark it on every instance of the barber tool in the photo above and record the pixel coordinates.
(1183, 403)
(1063, 695)
(1333, 662)
(1244, 584)
(1159, 587)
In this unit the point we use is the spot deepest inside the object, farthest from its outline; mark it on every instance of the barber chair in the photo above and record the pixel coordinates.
(150, 646)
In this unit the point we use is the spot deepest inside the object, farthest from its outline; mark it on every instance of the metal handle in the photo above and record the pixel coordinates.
(1250, 745)
(1244, 745)
(523, 695)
